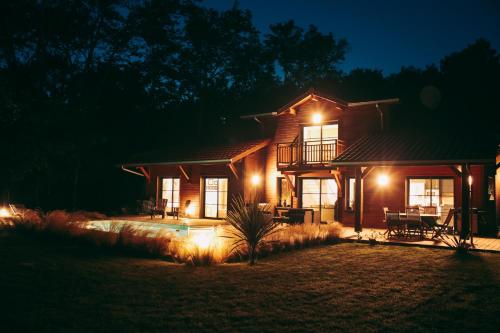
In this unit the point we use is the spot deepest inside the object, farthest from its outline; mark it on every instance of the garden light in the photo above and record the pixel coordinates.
(4, 212)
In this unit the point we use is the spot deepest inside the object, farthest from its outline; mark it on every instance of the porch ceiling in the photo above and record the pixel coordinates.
(417, 148)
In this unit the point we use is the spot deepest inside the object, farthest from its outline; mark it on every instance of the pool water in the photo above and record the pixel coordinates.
(177, 230)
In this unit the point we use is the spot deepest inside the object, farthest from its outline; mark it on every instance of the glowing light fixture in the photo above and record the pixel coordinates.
(4, 212)
(203, 239)
(317, 118)
(190, 210)
(470, 180)
(383, 179)
(255, 179)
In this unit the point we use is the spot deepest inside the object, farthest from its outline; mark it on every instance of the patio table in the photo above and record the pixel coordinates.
(429, 221)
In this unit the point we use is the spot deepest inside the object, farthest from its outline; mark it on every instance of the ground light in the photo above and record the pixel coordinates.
(203, 238)
(383, 179)
(4, 212)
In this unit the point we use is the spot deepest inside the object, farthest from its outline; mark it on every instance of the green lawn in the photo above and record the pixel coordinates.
(55, 286)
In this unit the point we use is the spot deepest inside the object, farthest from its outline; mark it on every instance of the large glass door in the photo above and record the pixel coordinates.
(320, 143)
(320, 194)
(170, 191)
(215, 197)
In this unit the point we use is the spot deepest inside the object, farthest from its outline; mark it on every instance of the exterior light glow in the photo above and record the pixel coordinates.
(4, 212)
(255, 180)
(383, 179)
(317, 118)
(190, 210)
(203, 239)
(470, 180)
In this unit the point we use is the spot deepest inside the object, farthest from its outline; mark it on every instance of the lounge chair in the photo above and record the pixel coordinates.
(441, 228)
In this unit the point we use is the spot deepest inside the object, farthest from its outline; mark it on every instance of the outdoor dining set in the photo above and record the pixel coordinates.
(417, 221)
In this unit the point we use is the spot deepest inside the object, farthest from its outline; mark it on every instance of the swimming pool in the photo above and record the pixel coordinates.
(176, 230)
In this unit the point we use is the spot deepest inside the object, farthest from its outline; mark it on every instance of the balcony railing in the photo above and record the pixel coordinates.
(310, 153)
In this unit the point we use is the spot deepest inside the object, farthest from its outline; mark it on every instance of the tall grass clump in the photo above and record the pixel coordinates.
(303, 235)
(251, 226)
(207, 248)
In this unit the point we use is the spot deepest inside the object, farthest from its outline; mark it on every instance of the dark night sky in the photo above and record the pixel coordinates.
(386, 34)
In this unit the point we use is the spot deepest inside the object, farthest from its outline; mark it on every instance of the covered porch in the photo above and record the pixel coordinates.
(393, 171)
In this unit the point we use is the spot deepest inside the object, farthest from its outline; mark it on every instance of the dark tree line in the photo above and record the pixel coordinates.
(84, 84)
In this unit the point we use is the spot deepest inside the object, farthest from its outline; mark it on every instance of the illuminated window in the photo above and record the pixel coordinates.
(170, 191)
(437, 192)
(284, 193)
(216, 197)
(321, 195)
(320, 143)
(351, 192)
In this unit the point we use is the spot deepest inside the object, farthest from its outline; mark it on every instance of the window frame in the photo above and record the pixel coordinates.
(280, 192)
(431, 178)
(170, 205)
(204, 182)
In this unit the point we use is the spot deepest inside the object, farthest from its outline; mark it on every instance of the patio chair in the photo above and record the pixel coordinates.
(414, 224)
(394, 225)
(159, 210)
(429, 222)
(430, 209)
(442, 228)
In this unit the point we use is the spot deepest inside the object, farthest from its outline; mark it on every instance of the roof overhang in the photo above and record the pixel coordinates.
(231, 160)
(257, 115)
(374, 102)
(412, 162)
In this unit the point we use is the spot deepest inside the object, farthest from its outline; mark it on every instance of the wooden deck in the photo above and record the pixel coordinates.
(480, 243)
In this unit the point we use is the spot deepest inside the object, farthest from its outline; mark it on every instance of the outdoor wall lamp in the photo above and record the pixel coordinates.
(255, 180)
(317, 118)
(383, 179)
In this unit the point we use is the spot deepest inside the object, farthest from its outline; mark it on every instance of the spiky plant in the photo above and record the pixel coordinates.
(251, 225)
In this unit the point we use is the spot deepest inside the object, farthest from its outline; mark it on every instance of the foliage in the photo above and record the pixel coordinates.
(458, 244)
(251, 223)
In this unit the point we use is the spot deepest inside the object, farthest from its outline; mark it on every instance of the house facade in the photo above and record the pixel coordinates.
(335, 157)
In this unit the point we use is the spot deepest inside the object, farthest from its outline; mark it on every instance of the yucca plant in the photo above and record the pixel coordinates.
(251, 225)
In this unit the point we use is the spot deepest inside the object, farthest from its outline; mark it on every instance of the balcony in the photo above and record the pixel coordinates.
(305, 155)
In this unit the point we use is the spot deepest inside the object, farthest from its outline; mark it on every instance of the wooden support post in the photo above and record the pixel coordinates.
(464, 234)
(234, 170)
(366, 171)
(157, 191)
(456, 170)
(358, 201)
(184, 172)
(145, 173)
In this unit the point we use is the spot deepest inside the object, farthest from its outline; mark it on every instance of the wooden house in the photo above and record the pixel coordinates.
(335, 157)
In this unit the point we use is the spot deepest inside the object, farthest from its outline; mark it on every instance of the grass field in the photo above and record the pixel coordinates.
(58, 286)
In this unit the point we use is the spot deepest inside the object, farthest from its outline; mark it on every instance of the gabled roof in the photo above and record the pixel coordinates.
(311, 94)
(221, 154)
(417, 148)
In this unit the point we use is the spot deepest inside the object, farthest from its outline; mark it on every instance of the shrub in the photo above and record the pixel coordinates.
(251, 225)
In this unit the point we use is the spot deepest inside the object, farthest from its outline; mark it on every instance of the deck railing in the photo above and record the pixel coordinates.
(309, 153)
